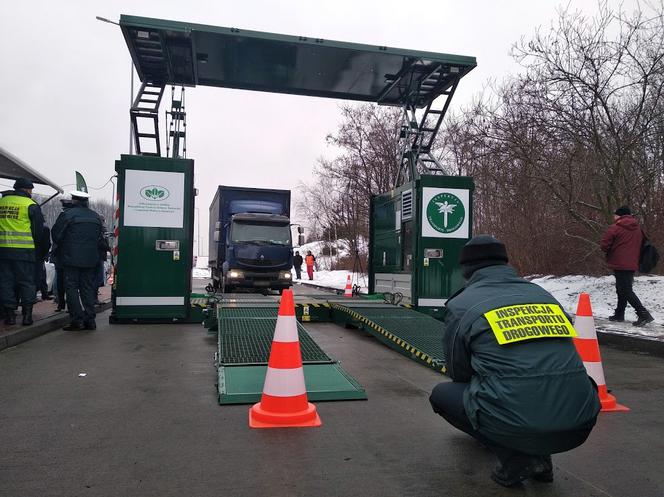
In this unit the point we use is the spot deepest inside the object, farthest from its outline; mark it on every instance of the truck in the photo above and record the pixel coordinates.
(250, 239)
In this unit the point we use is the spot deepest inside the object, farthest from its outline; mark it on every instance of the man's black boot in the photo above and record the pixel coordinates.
(10, 316)
(519, 468)
(74, 326)
(90, 325)
(617, 317)
(644, 319)
(546, 475)
(27, 315)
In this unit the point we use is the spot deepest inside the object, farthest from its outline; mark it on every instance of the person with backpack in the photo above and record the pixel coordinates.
(622, 243)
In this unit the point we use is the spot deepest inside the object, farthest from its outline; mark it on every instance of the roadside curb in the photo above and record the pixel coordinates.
(41, 328)
(631, 343)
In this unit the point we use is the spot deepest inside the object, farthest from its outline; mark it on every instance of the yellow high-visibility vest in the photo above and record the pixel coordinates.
(15, 226)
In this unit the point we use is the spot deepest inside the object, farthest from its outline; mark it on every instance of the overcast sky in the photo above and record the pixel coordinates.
(65, 80)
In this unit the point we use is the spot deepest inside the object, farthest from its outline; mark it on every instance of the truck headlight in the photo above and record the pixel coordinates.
(286, 275)
(234, 274)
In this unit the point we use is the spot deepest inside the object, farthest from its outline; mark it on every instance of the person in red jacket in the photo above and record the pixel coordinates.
(622, 245)
(309, 260)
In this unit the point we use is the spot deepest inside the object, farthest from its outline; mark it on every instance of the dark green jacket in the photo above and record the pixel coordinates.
(78, 232)
(521, 395)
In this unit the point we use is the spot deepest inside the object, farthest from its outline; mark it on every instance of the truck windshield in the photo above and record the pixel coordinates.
(272, 234)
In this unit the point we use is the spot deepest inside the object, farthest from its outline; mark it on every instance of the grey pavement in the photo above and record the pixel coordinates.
(144, 421)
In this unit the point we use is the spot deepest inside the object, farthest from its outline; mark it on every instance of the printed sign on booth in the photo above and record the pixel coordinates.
(154, 199)
(445, 212)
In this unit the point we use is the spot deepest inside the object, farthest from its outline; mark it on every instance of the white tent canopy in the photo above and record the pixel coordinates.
(11, 167)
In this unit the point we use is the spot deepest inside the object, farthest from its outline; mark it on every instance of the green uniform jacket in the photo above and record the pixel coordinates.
(531, 395)
(78, 233)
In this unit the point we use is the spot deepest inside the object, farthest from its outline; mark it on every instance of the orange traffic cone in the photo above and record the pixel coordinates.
(284, 401)
(588, 348)
(348, 293)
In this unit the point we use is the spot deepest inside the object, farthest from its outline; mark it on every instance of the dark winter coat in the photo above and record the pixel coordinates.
(521, 395)
(622, 244)
(78, 232)
(297, 261)
(44, 245)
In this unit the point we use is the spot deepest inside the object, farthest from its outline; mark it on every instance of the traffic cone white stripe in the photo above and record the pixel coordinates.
(587, 347)
(286, 329)
(585, 327)
(595, 371)
(284, 382)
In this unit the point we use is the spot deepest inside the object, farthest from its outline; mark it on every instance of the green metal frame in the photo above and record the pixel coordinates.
(181, 53)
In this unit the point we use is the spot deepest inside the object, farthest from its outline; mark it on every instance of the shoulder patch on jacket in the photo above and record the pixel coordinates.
(515, 323)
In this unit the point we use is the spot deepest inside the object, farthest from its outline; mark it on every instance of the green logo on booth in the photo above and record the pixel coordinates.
(154, 192)
(446, 213)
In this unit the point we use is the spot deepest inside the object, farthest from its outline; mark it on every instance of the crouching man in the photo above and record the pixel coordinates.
(519, 386)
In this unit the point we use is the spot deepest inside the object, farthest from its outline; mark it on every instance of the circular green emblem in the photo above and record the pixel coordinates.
(155, 192)
(446, 213)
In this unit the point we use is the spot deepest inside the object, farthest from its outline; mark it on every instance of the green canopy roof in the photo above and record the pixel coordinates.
(171, 52)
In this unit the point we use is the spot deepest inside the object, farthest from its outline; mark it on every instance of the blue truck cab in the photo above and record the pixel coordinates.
(250, 239)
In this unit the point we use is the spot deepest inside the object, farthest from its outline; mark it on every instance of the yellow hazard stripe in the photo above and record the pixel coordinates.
(402, 343)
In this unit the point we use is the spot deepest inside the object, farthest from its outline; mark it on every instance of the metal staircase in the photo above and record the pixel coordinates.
(145, 118)
(176, 126)
(421, 119)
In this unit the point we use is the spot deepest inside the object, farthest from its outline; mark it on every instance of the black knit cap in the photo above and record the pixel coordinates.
(482, 251)
(623, 211)
(23, 184)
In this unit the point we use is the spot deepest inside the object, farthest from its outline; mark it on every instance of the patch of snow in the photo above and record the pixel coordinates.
(566, 290)
(201, 272)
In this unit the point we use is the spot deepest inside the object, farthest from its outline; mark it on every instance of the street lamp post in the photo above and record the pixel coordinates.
(131, 89)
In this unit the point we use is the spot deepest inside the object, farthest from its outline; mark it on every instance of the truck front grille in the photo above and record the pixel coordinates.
(258, 262)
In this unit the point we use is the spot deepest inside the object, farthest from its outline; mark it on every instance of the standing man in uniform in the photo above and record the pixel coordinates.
(78, 232)
(21, 227)
(518, 386)
(621, 243)
(297, 264)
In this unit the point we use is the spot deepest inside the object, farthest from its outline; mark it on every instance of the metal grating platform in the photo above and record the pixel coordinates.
(243, 341)
(411, 333)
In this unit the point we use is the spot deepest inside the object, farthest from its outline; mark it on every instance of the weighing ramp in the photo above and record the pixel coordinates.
(413, 334)
(245, 330)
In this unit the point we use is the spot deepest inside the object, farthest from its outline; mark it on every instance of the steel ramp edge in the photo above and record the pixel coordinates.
(379, 328)
(243, 383)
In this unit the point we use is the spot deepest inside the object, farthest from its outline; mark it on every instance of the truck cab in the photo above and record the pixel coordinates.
(251, 244)
(259, 252)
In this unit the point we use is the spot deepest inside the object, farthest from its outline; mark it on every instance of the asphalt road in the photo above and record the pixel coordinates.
(131, 410)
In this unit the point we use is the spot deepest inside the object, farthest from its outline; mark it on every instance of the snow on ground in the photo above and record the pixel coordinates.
(566, 289)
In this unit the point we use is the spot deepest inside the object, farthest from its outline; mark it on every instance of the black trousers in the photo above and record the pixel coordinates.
(447, 401)
(81, 291)
(624, 282)
(40, 278)
(60, 285)
(17, 277)
(298, 272)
